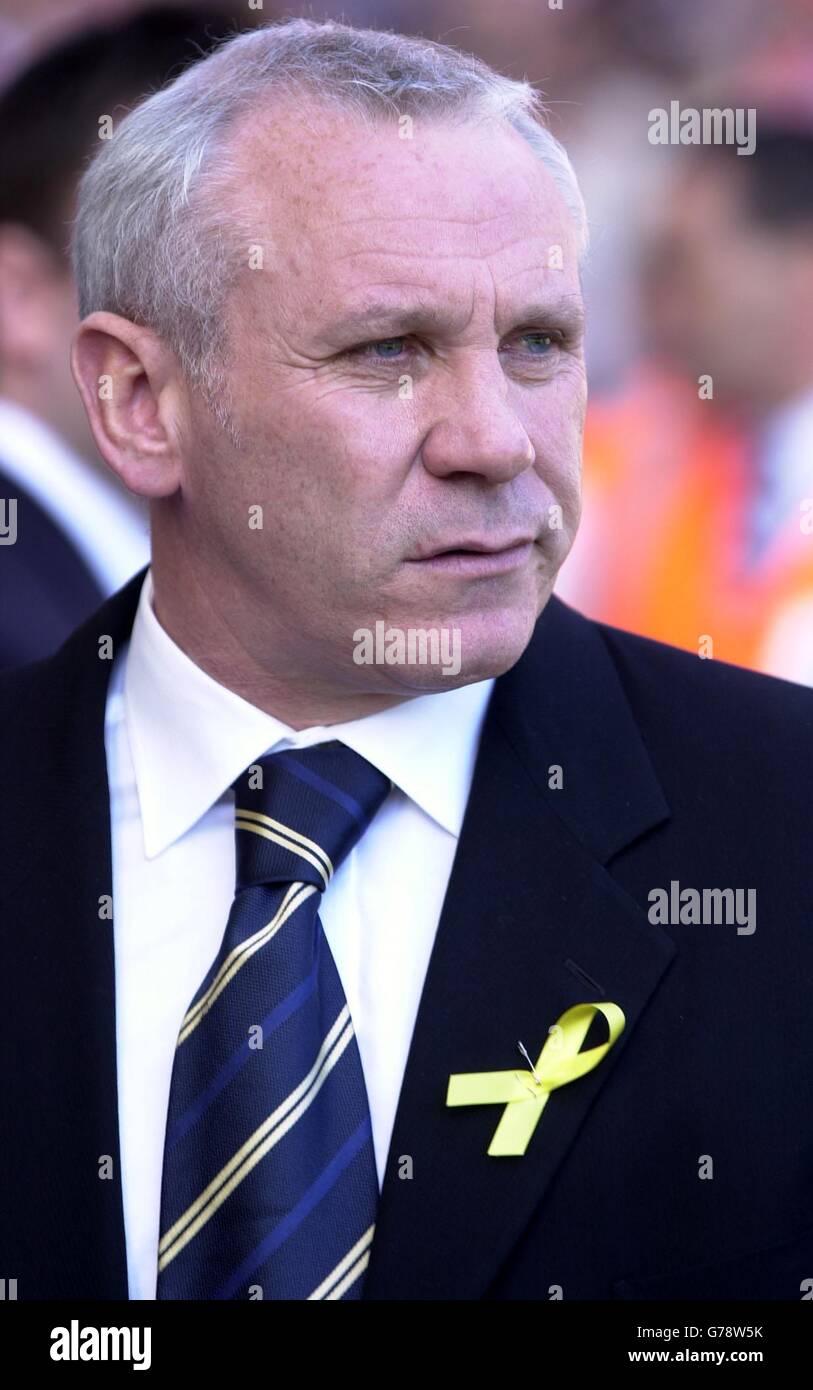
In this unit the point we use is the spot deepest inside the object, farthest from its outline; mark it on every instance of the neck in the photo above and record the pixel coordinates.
(202, 630)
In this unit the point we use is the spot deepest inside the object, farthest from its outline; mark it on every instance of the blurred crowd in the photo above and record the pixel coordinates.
(698, 513)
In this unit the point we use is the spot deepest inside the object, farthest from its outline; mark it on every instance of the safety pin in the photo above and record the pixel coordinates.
(524, 1052)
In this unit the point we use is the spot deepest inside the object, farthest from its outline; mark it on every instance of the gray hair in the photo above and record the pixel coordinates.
(155, 239)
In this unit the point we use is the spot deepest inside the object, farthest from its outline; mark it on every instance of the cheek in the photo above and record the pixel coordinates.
(365, 437)
(557, 433)
(369, 469)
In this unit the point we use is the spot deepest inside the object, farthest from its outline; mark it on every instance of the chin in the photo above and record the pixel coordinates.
(463, 649)
(492, 643)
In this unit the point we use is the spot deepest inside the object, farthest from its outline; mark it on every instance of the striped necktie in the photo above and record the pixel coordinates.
(269, 1181)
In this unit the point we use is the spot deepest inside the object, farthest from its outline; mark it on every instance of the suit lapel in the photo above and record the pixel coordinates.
(532, 923)
(67, 1172)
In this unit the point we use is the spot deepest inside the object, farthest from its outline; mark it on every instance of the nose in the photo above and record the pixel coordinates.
(476, 430)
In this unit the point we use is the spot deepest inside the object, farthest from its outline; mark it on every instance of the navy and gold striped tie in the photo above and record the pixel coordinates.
(269, 1181)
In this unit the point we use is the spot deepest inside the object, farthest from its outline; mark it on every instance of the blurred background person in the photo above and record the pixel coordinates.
(699, 473)
(78, 535)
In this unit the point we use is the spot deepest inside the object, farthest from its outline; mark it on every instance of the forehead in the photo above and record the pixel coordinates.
(345, 203)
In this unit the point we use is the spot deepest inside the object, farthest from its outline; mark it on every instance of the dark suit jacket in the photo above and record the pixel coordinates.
(674, 768)
(46, 588)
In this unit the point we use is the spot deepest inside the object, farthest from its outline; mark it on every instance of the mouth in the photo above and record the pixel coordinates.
(475, 557)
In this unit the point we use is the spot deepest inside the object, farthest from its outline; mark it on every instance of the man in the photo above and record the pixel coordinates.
(350, 381)
(71, 534)
(699, 489)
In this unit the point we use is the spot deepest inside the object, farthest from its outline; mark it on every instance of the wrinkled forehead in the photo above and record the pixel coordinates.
(339, 200)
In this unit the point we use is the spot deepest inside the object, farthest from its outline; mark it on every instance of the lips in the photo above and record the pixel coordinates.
(476, 559)
(474, 546)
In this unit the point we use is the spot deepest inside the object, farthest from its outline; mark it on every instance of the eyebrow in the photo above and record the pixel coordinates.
(382, 316)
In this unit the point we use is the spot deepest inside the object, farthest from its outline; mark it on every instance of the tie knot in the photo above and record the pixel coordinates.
(299, 813)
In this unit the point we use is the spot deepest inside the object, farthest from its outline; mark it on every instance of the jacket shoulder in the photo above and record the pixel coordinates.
(22, 685)
(672, 688)
(41, 691)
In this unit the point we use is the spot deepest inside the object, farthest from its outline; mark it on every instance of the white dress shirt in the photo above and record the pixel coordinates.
(784, 461)
(106, 524)
(175, 742)
(783, 450)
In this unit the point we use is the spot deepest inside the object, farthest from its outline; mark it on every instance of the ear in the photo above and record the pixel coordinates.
(136, 401)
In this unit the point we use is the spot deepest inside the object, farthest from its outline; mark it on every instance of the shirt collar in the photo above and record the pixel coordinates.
(191, 734)
(26, 438)
(108, 525)
(783, 446)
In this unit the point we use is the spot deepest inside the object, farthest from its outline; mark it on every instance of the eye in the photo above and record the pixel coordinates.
(379, 349)
(543, 341)
(543, 345)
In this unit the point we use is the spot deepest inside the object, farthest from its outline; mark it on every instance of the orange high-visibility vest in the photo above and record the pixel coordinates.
(664, 535)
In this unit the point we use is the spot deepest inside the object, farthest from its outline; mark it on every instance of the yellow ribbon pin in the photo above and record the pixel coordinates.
(527, 1092)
